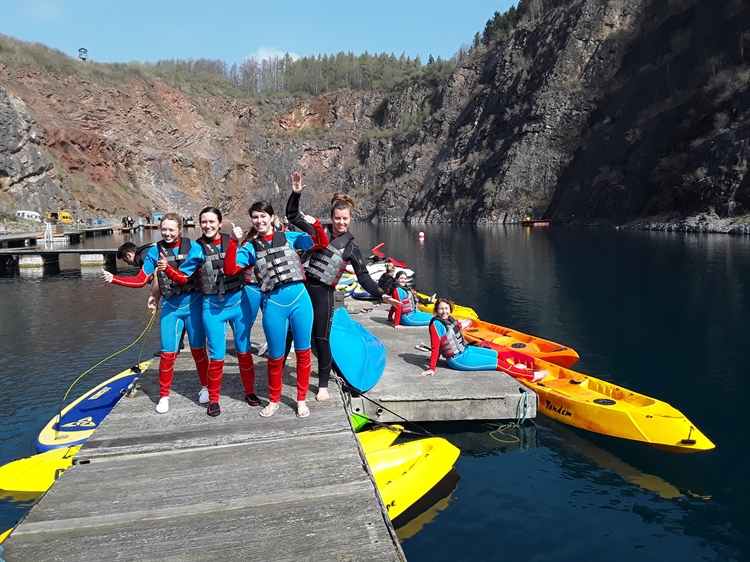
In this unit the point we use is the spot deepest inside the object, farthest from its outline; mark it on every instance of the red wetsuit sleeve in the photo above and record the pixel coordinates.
(320, 239)
(230, 258)
(138, 281)
(176, 275)
(397, 314)
(435, 345)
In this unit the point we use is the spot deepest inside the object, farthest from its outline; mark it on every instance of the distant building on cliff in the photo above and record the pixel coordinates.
(82, 54)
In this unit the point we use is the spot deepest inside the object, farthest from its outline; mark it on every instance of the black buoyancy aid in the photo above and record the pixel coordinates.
(452, 342)
(276, 265)
(327, 265)
(168, 287)
(140, 254)
(213, 279)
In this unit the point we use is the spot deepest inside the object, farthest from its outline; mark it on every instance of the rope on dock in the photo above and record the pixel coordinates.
(143, 336)
(501, 429)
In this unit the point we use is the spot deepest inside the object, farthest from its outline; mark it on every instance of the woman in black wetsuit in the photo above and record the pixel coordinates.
(324, 268)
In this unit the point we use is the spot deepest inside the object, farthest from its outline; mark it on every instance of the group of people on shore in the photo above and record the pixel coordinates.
(221, 279)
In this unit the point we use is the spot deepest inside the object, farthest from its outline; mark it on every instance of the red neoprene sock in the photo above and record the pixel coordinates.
(201, 363)
(215, 373)
(166, 371)
(275, 372)
(304, 366)
(247, 371)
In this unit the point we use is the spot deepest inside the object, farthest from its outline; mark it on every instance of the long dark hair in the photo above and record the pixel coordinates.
(257, 207)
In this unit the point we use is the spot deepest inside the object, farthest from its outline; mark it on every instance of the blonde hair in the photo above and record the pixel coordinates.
(342, 201)
(172, 217)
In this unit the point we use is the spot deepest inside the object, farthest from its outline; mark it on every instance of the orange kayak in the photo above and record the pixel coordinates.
(478, 331)
(603, 407)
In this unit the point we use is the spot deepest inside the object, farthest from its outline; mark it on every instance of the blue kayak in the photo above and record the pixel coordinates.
(359, 357)
(80, 418)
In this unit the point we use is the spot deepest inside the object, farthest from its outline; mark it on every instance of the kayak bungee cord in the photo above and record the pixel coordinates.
(135, 368)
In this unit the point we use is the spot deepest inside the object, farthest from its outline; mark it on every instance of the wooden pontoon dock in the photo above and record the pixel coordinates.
(185, 486)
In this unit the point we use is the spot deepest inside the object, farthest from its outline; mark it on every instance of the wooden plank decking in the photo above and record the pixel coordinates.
(185, 486)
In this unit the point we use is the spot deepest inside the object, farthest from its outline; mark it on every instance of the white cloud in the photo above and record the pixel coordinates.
(264, 53)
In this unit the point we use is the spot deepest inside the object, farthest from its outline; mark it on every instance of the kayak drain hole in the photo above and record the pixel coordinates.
(605, 402)
(518, 345)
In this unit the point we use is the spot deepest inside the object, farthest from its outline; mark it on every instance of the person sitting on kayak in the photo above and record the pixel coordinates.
(447, 340)
(408, 313)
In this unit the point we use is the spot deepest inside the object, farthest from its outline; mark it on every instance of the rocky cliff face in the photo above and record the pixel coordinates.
(667, 143)
(135, 146)
(601, 112)
(604, 112)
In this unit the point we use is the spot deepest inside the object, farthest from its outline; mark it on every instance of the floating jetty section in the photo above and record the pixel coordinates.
(447, 395)
(42, 257)
(185, 486)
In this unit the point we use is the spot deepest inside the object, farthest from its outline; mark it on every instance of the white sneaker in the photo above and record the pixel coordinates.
(203, 395)
(263, 349)
(163, 406)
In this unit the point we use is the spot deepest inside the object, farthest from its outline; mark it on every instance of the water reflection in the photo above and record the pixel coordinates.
(665, 314)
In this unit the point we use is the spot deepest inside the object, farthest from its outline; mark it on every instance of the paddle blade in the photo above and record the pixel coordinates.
(376, 250)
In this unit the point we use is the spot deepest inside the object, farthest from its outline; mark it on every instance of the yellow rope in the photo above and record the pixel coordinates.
(500, 430)
(145, 332)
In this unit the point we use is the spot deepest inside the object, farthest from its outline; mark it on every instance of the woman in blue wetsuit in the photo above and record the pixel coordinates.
(279, 272)
(182, 306)
(447, 340)
(325, 267)
(408, 314)
(224, 302)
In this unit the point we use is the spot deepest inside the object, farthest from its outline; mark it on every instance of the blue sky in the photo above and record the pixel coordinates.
(117, 31)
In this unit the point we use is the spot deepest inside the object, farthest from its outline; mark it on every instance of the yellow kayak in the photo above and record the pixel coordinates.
(5, 535)
(602, 407)
(37, 472)
(380, 438)
(406, 472)
(458, 310)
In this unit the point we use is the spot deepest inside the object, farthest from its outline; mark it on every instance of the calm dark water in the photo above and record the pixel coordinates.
(664, 314)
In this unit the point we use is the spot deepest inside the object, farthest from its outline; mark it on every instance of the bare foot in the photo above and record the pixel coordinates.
(302, 410)
(322, 395)
(269, 410)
